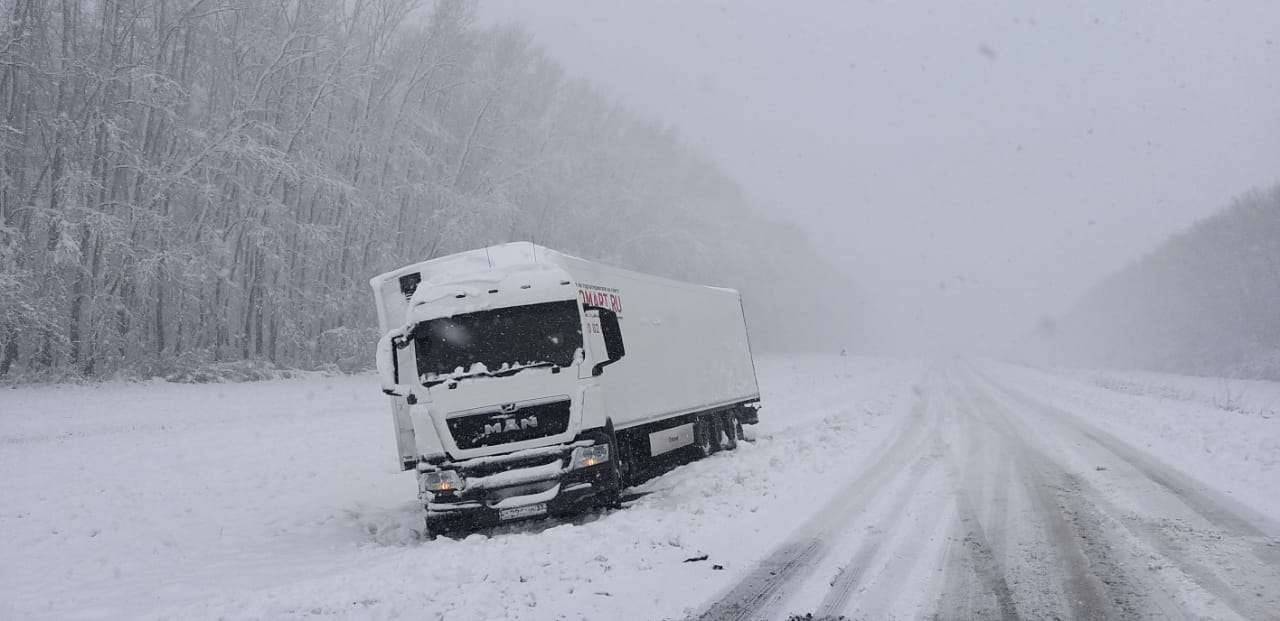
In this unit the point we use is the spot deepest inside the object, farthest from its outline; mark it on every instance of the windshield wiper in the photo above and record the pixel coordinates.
(498, 373)
(513, 370)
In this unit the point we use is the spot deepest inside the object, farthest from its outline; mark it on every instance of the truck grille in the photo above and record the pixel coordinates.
(495, 427)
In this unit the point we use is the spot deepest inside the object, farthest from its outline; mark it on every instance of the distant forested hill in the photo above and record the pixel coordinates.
(193, 181)
(1205, 302)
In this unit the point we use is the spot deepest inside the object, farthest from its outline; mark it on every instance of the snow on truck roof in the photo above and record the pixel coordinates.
(464, 262)
(452, 294)
(505, 259)
(514, 274)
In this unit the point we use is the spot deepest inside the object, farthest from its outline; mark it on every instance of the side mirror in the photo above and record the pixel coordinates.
(612, 333)
(388, 361)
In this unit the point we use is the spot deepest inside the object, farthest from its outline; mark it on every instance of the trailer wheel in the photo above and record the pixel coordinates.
(707, 431)
(728, 435)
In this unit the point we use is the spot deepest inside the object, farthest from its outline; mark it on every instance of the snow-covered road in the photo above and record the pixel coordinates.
(876, 489)
(997, 500)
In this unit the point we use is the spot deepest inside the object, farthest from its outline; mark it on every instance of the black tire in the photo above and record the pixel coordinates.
(707, 431)
(624, 464)
(444, 527)
(430, 529)
(729, 431)
(612, 497)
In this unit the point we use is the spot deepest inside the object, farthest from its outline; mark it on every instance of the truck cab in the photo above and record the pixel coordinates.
(491, 372)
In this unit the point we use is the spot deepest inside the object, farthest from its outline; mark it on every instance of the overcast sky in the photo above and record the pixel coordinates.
(973, 165)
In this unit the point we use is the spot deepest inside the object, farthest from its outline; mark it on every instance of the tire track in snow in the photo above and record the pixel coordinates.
(1093, 580)
(999, 502)
(1255, 593)
(1212, 506)
(852, 574)
(760, 591)
(997, 471)
(911, 563)
(972, 554)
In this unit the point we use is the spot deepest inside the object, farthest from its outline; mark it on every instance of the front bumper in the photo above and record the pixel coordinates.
(516, 486)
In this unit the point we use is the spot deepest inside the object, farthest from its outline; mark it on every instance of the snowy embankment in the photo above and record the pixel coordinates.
(1224, 432)
(1240, 396)
(280, 499)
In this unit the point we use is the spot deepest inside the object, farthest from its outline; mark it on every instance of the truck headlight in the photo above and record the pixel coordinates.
(587, 456)
(440, 481)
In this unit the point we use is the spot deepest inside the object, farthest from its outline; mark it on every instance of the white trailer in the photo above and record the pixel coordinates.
(526, 382)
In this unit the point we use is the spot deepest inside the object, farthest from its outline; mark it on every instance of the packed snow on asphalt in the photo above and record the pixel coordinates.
(874, 489)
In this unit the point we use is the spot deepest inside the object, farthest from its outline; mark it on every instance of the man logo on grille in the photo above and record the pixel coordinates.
(510, 424)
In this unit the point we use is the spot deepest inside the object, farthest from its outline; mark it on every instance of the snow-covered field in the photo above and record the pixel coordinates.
(281, 499)
(1251, 397)
(876, 489)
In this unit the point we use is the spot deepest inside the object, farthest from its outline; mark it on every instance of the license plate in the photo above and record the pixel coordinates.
(516, 513)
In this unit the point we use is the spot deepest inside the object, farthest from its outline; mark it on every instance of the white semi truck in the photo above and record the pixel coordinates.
(527, 382)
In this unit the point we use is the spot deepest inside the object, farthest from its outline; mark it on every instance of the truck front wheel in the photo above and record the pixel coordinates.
(611, 498)
(432, 528)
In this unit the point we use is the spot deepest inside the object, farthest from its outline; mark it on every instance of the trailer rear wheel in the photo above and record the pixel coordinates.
(707, 432)
(729, 429)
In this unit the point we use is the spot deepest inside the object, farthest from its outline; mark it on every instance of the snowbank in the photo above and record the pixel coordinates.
(282, 499)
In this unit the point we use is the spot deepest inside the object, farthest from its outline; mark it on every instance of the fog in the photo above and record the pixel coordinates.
(209, 187)
(974, 166)
(663, 309)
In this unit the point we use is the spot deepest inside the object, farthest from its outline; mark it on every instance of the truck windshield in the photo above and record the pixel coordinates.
(494, 341)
